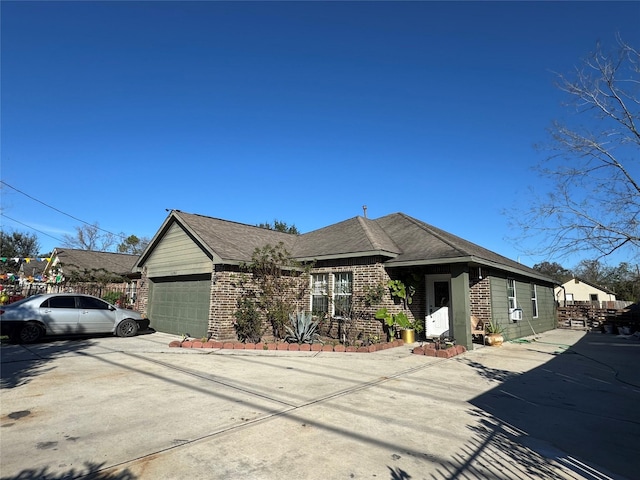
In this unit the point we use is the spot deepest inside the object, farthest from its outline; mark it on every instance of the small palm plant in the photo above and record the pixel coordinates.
(303, 328)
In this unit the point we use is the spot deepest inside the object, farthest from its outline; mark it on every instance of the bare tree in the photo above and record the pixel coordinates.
(595, 202)
(90, 237)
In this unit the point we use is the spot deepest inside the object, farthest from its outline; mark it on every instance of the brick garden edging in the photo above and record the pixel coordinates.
(283, 346)
(427, 349)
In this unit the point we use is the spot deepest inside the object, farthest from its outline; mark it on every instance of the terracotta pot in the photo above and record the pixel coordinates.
(494, 339)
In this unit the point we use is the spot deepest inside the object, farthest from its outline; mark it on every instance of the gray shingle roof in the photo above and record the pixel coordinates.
(402, 239)
(116, 263)
(232, 241)
(354, 237)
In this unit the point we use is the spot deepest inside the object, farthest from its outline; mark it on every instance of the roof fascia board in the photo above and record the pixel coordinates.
(475, 261)
(341, 256)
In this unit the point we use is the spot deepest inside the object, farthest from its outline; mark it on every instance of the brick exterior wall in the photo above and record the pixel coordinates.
(141, 304)
(367, 272)
(225, 291)
(480, 298)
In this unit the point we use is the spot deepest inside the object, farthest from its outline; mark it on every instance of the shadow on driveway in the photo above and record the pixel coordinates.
(91, 471)
(583, 402)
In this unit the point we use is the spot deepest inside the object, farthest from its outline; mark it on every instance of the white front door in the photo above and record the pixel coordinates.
(438, 296)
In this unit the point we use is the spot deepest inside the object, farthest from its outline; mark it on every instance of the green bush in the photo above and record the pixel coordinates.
(248, 323)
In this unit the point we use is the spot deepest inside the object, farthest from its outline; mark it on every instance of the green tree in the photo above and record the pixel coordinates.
(554, 270)
(18, 244)
(133, 245)
(279, 226)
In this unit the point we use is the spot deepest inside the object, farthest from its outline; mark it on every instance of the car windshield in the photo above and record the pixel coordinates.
(28, 299)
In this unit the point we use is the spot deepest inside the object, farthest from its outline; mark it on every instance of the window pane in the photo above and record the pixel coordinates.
(319, 293)
(62, 302)
(342, 293)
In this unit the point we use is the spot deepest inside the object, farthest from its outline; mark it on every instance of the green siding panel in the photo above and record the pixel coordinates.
(546, 319)
(180, 307)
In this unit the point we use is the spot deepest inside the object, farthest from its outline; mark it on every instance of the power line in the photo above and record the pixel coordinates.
(29, 226)
(57, 210)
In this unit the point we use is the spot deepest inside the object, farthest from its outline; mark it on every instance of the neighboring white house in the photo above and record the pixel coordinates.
(577, 290)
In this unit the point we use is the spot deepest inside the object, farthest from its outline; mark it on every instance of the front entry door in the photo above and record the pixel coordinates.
(438, 305)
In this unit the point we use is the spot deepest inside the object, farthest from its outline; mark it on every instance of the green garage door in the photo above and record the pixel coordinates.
(180, 306)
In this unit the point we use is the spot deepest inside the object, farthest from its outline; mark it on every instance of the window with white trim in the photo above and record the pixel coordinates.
(342, 293)
(511, 293)
(534, 300)
(320, 293)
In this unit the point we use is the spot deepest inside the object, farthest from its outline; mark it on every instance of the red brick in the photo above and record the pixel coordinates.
(196, 344)
(249, 346)
(418, 351)
(282, 346)
(460, 349)
(227, 345)
(207, 344)
(271, 346)
(430, 345)
(327, 348)
(316, 347)
(372, 348)
(259, 346)
(431, 352)
(363, 349)
(186, 344)
(217, 344)
(305, 347)
(238, 346)
(339, 348)
(175, 343)
(294, 347)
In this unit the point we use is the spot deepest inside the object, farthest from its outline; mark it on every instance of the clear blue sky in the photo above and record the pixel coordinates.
(113, 112)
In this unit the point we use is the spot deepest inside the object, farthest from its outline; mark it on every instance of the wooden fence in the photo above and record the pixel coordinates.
(591, 317)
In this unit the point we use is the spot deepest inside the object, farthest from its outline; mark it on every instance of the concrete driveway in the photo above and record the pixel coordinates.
(564, 406)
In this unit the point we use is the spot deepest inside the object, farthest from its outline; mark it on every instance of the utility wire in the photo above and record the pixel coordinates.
(29, 226)
(57, 210)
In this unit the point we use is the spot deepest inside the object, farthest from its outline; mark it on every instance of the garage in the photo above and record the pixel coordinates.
(180, 305)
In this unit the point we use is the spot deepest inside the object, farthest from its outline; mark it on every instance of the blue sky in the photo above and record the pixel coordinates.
(303, 112)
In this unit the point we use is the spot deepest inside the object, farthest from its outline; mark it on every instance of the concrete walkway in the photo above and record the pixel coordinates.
(563, 406)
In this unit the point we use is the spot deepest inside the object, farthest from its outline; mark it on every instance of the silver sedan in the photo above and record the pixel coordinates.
(28, 320)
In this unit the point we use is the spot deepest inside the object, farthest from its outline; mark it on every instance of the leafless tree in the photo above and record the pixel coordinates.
(594, 161)
(90, 237)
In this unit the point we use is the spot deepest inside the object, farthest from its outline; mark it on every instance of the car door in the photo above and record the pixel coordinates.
(60, 314)
(96, 316)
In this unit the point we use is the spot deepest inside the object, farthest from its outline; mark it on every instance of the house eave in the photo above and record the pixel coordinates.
(472, 261)
(341, 256)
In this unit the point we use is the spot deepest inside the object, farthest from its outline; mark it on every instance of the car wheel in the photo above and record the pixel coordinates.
(127, 328)
(28, 333)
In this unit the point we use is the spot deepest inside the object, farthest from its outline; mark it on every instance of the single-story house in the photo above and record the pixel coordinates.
(577, 291)
(189, 270)
(92, 272)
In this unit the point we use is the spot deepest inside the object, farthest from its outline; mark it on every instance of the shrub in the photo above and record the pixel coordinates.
(248, 323)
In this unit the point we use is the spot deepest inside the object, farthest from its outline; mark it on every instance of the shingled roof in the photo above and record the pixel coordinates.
(87, 260)
(403, 240)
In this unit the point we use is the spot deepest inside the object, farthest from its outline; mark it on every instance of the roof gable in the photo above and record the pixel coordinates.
(224, 241)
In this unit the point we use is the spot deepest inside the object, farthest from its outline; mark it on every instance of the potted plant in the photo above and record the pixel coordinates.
(399, 323)
(493, 335)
